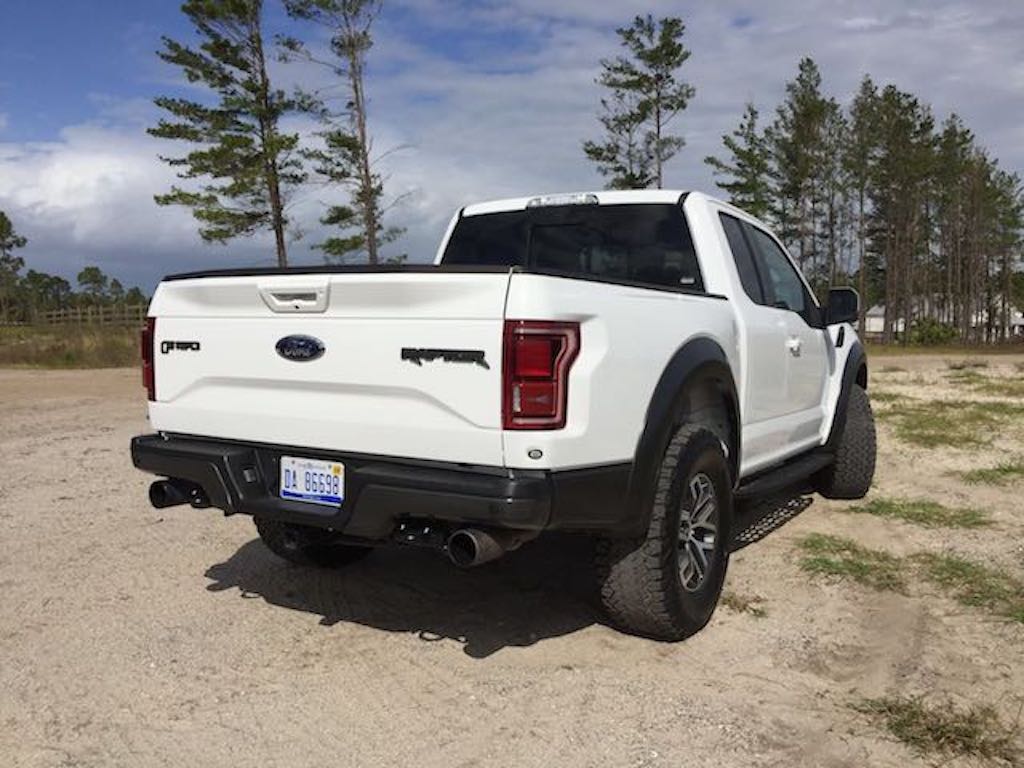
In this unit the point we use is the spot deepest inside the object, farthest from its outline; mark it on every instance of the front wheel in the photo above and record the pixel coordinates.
(666, 584)
(850, 475)
(305, 545)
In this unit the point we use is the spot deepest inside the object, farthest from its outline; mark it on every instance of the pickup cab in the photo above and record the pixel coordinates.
(631, 366)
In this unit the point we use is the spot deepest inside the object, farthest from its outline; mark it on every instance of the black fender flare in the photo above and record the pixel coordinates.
(854, 372)
(700, 360)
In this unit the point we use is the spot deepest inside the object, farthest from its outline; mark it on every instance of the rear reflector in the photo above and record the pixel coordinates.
(148, 337)
(535, 372)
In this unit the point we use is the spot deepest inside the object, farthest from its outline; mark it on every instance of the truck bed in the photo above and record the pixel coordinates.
(412, 366)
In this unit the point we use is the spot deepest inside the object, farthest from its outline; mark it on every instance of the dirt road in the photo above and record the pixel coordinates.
(132, 637)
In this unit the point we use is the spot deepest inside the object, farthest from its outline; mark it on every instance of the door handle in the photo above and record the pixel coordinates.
(793, 344)
(292, 297)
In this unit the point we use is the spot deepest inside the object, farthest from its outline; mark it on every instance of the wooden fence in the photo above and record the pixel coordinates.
(114, 314)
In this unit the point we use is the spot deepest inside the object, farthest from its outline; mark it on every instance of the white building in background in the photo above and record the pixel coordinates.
(1016, 324)
(874, 322)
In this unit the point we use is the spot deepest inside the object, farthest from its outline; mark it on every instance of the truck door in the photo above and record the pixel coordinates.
(784, 356)
(806, 353)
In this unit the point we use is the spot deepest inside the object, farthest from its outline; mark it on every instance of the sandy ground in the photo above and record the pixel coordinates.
(132, 637)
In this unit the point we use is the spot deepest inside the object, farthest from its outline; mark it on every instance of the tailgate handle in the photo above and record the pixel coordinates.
(290, 299)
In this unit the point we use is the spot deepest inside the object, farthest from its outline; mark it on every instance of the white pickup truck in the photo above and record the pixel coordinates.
(632, 366)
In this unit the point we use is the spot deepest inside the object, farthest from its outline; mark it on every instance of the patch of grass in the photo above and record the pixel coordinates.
(967, 364)
(972, 583)
(969, 582)
(744, 604)
(69, 346)
(945, 728)
(952, 423)
(988, 385)
(966, 376)
(1001, 474)
(881, 396)
(837, 556)
(1001, 387)
(930, 514)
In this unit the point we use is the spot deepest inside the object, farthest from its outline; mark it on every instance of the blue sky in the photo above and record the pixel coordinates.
(65, 58)
(484, 99)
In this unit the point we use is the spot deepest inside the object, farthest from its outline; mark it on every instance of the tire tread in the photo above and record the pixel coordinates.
(637, 577)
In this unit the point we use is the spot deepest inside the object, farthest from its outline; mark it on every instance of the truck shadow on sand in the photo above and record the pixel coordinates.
(540, 591)
(543, 590)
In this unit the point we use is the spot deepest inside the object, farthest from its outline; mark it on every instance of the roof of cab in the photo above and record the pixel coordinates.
(604, 197)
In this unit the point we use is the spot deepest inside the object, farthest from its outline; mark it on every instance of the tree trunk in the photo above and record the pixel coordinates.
(268, 139)
(367, 194)
(657, 137)
(862, 277)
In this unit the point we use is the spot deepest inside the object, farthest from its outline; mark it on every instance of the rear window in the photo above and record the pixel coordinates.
(638, 243)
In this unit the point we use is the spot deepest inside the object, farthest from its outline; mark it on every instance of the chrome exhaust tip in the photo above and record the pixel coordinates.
(469, 547)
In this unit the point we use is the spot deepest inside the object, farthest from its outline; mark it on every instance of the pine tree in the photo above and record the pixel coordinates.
(832, 196)
(900, 185)
(795, 140)
(244, 164)
(624, 155)
(646, 96)
(93, 283)
(10, 265)
(346, 158)
(857, 159)
(1009, 240)
(748, 167)
(955, 150)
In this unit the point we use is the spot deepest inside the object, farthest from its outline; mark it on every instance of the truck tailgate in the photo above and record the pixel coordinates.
(387, 382)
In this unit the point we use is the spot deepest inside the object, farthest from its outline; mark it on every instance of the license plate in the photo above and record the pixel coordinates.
(318, 482)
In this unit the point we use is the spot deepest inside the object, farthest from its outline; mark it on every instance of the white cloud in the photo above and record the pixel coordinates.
(489, 119)
(3, 121)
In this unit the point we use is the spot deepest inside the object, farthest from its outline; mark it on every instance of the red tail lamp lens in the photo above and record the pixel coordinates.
(535, 372)
(148, 337)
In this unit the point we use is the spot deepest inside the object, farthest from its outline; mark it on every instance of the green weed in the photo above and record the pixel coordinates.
(952, 423)
(944, 728)
(744, 604)
(837, 556)
(929, 514)
(1001, 474)
(974, 584)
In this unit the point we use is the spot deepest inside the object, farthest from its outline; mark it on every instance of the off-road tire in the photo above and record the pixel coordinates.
(307, 546)
(641, 587)
(850, 475)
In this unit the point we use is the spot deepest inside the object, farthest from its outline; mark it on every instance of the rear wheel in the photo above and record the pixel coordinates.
(666, 584)
(850, 475)
(305, 545)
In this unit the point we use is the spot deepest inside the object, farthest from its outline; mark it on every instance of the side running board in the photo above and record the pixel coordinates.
(794, 471)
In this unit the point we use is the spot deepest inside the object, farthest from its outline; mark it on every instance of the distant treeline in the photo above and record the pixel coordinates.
(25, 296)
(918, 216)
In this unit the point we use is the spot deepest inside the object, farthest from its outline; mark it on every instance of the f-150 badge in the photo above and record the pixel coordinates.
(166, 347)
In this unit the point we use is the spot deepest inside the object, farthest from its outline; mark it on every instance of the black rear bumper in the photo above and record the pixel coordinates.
(380, 493)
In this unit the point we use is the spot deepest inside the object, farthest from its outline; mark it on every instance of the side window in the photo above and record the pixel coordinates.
(783, 286)
(743, 257)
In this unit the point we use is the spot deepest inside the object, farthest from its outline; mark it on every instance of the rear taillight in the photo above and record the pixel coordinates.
(148, 337)
(535, 372)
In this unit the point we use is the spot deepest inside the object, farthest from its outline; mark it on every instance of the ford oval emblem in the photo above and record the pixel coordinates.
(300, 348)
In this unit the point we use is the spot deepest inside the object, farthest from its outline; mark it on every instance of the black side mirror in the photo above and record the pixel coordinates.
(843, 306)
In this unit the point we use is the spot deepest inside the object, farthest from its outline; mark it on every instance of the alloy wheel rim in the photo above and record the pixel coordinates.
(698, 532)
